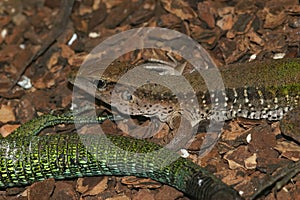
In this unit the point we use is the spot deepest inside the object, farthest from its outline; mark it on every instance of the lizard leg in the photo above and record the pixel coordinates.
(36, 125)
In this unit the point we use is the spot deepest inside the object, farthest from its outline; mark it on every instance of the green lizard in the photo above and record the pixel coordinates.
(27, 158)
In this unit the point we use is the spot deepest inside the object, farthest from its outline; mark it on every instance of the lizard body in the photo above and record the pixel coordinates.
(253, 90)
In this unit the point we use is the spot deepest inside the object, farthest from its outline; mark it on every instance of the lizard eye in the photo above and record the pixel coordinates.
(100, 84)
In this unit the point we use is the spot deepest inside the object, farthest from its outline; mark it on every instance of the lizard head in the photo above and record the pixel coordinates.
(134, 93)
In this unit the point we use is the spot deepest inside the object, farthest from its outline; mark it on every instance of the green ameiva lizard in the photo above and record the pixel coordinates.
(27, 158)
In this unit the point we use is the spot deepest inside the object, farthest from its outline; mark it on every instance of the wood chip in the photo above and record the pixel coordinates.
(91, 185)
(140, 182)
(7, 129)
(289, 150)
(6, 114)
(179, 8)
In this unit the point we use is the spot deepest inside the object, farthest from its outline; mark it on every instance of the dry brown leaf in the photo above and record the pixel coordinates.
(289, 150)
(7, 114)
(232, 164)
(140, 182)
(144, 194)
(226, 22)
(231, 177)
(66, 51)
(91, 189)
(53, 60)
(250, 163)
(254, 37)
(274, 20)
(119, 197)
(168, 192)
(77, 59)
(179, 8)
(235, 131)
(80, 187)
(206, 14)
(7, 129)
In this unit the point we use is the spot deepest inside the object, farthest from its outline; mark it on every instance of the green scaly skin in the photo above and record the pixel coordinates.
(27, 158)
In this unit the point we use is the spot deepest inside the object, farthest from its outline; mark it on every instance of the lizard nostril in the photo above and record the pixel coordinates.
(126, 96)
(100, 84)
